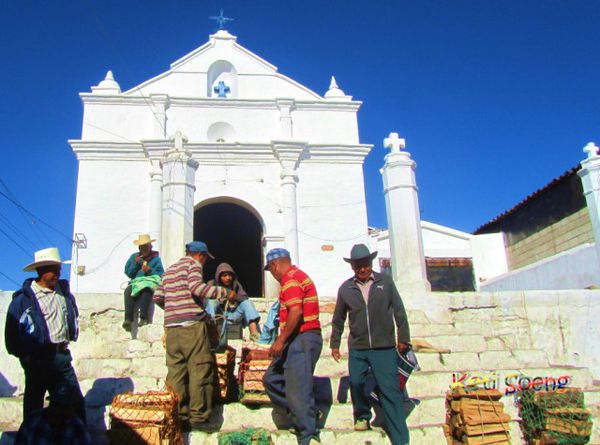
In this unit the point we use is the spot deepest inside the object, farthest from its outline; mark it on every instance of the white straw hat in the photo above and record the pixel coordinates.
(45, 257)
(143, 238)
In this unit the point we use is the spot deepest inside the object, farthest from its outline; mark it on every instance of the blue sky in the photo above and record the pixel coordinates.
(495, 98)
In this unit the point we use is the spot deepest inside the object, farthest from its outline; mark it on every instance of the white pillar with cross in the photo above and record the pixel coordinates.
(179, 170)
(404, 219)
(590, 180)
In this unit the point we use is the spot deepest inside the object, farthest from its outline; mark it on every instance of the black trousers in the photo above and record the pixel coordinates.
(50, 370)
(145, 300)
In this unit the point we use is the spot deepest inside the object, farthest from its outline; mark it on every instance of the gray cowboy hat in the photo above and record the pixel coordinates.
(360, 252)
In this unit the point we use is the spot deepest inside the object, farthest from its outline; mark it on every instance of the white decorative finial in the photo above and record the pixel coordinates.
(335, 92)
(394, 142)
(108, 85)
(591, 149)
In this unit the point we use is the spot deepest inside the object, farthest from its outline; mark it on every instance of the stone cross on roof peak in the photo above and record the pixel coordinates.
(221, 19)
(394, 142)
(592, 150)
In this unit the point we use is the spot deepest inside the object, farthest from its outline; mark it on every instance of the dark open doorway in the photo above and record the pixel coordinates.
(234, 236)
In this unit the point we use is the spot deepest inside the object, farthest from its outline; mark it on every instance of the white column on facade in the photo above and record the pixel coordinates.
(179, 170)
(155, 217)
(285, 117)
(160, 103)
(288, 153)
(590, 180)
(271, 285)
(404, 219)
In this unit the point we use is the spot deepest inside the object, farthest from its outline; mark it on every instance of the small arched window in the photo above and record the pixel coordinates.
(220, 132)
(222, 80)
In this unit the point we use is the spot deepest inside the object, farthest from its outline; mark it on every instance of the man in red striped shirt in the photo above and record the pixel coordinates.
(182, 295)
(289, 379)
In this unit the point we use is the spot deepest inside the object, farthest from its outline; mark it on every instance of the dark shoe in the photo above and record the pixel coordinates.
(127, 325)
(143, 322)
(362, 425)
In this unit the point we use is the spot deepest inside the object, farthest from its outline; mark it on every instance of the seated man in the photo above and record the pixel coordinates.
(239, 308)
(145, 269)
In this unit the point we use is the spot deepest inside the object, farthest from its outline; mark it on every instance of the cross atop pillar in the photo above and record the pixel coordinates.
(179, 140)
(592, 150)
(394, 142)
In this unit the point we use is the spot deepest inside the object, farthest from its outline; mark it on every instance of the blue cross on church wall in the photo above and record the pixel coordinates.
(221, 89)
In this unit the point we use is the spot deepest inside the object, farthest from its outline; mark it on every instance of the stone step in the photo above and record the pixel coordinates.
(145, 365)
(428, 414)
(425, 421)
(422, 384)
(429, 388)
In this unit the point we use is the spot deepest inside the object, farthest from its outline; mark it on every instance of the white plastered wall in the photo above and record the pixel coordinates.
(111, 210)
(332, 212)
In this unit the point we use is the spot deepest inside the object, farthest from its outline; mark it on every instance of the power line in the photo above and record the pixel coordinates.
(30, 224)
(16, 243)
(17, 231)
(35, 217)
(9, 278)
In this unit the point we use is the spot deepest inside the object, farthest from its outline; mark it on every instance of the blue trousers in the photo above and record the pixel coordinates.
(289, 383)
(384, 365)
(244, 312)
(50, 371)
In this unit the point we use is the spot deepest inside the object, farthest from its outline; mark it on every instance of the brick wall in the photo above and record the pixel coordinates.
(569, 232)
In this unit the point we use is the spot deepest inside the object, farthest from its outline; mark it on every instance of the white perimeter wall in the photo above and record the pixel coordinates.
(577, 268)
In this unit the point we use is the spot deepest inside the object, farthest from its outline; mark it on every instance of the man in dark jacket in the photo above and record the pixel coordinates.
(40, 323)
(374, 307)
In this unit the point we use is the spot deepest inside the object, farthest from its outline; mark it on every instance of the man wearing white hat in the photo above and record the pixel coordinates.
(40, 323)
(144, 268)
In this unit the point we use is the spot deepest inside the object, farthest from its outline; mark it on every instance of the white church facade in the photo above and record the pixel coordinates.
(222, 148)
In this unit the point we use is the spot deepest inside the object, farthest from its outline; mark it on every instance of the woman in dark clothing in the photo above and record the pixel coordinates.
(239, 308)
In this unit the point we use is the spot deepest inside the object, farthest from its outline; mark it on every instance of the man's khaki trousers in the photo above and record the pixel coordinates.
(191, 370)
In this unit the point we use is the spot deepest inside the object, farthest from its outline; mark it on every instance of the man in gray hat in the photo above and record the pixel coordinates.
(374, 307)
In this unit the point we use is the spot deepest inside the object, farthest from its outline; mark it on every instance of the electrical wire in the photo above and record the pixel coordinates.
(31, 215)
(8, 223)
(15, 242)
(9, 278)
(30, 223)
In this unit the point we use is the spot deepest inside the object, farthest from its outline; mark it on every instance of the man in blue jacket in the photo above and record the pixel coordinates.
(40, 323)
(375, 311)
(144, 268)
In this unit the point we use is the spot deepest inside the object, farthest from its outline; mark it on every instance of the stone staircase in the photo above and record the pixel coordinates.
(108, 361)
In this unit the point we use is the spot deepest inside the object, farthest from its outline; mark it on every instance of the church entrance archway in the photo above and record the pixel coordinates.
(234, 232)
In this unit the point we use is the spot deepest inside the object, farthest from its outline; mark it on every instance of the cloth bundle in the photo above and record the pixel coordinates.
(252, 369)
(225, 374)
(476, 417)
(149, 418)
(555, 417)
